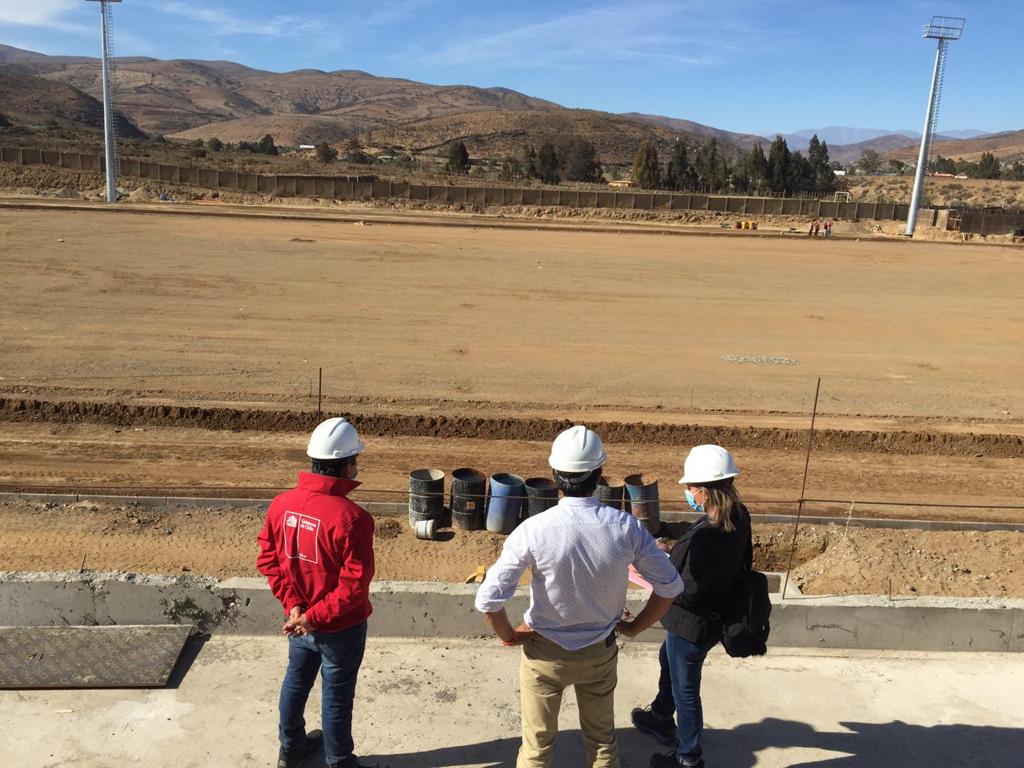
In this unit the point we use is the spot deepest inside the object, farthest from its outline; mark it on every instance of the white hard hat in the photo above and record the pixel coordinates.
(577, 449)
(334, 439)
(708, 464)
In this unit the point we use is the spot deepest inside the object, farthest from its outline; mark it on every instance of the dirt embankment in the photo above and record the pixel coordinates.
(910, 443)
(222, 543)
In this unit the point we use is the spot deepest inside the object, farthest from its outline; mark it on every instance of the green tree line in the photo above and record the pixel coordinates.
(710, 170)
(987, 167)
(569, 158)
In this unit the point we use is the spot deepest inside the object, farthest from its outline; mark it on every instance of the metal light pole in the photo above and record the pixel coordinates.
(943, 29)
(108, 109)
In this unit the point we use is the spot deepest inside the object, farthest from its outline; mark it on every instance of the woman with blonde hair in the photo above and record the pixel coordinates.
(711, 556)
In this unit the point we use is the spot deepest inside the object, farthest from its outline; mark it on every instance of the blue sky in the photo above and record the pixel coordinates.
(748, 65)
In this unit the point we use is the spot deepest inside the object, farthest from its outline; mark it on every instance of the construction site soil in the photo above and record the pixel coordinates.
(180, 354)
(906, 443)
(222, 543)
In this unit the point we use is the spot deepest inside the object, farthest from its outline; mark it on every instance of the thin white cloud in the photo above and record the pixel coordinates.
(48, 14)
(671, 32)
(223, 23)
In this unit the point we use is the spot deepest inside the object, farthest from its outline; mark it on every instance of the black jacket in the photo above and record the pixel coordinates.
(709, 560)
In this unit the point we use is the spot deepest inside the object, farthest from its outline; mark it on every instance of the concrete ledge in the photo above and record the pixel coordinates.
(430, 609)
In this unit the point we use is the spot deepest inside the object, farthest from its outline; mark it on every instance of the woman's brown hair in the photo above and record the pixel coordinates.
(722, 499)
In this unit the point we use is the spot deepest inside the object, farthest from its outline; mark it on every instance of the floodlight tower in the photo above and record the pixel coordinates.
(108, 110)
(943, 29)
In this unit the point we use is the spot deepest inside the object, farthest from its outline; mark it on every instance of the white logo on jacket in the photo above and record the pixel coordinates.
(300, 537)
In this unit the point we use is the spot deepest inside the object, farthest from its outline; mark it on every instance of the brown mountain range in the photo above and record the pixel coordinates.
(1005, 146)
(202, 99)
(29, 100)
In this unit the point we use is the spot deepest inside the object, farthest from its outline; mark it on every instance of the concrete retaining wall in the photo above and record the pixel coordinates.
(427, 609)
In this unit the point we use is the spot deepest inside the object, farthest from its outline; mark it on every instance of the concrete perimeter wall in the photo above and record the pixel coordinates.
(992, 222)
(428, 609)
(349, 188)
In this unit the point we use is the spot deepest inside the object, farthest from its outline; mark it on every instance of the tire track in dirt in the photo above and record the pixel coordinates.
(906, 443)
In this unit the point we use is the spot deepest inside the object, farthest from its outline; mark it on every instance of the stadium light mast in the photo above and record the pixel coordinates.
(943, 29)
(108, 110)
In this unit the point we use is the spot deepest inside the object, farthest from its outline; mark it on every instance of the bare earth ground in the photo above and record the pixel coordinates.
(182, 461)
(563, 318)
(222, 543)
(466, 337)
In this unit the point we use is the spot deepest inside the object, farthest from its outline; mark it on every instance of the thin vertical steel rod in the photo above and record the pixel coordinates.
(108, 111)
(319, 393)
(926, 138)
(803, 489)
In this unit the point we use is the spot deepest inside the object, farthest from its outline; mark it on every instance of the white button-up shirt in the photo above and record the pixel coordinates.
(578, 553)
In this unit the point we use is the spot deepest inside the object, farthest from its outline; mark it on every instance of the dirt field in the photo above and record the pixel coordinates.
(217, 307)
(222, 543)
(179, 353)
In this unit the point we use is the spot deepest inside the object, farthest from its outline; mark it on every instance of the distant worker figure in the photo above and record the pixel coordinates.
(711, 556)
(316, 550)
(817, 227)
(810, 229)
(828, 228)
(579, 553)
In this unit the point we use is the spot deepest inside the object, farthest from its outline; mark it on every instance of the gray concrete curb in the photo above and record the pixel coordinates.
(429, 609)
(399, 508)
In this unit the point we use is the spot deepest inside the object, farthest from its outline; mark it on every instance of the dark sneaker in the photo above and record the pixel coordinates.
(293, 758)
(661, 728)
(669, 760)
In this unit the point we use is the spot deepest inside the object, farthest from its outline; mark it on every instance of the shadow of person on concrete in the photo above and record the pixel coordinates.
(635, 750)
(868, 745)
(862, 745)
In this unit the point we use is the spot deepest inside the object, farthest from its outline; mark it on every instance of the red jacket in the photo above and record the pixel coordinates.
(316, 550)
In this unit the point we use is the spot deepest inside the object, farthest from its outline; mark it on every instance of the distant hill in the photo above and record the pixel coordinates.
(969, 133)
(165, 97)
(742, 140)
(848, 153)
(27, 100)
(844, 136)
(201, 99)
(1005, 146)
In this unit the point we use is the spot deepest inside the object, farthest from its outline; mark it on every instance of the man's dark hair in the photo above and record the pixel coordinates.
(577, 484)
(331, 467)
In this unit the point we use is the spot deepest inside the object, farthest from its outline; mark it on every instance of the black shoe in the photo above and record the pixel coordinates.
(669, 760)
(293, 758)
(661, 728)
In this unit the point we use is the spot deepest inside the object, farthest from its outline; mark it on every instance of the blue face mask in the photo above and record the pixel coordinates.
(693, 502)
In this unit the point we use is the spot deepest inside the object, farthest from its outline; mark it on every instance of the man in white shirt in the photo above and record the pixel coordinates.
(578, 553)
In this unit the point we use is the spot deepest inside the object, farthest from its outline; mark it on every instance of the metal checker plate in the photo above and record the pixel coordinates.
(90, 657)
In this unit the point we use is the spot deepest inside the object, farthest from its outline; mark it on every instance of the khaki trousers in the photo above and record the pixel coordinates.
(545, 671)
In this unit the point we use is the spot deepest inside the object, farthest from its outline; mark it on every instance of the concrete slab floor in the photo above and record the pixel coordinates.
(428, 704)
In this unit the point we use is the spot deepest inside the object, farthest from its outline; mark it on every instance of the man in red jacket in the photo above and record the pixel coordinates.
(316, 550)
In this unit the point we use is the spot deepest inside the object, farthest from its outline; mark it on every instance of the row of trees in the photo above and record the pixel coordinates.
(569, 158)
(781, 172)
(574, 158)
(264, 146)
(987, 167)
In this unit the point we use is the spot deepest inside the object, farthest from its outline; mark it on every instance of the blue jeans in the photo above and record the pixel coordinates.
(336, 656)
(679, 691)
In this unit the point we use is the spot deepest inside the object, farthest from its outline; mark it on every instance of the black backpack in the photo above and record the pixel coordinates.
(745, 625)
